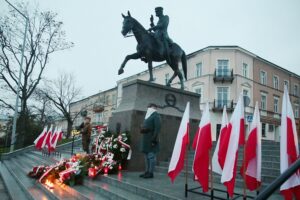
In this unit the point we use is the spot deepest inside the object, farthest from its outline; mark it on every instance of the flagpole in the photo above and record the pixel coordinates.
(186, 172)
(211, 176)
(246, 102)
(244, 171)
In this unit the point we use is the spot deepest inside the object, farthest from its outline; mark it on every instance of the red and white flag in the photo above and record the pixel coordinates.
(217, 165)
(289, 151)
(251, 169)
(228, 151)
(56, 136)
(46, 142)
(181, 144)
(38, 142)
(203, 146)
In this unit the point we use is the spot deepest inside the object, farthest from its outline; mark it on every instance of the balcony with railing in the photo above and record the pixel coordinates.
(223, 75)
(218, 105)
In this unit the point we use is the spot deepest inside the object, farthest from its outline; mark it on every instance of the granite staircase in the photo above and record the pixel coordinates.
(122, 186)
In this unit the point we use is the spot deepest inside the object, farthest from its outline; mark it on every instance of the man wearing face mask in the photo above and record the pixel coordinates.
(150, 139)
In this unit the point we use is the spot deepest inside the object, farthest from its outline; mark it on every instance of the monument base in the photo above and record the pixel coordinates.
(130, 114)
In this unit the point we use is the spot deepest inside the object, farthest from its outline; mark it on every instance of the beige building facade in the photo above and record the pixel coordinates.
(221, 73)
(99, 107)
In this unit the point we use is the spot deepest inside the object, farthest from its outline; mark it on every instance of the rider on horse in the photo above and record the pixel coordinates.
(161, 29)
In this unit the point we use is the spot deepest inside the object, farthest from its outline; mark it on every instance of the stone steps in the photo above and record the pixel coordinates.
(217, 178)
(122, 186)
(3, 191)
(32, 189)
(266, 171)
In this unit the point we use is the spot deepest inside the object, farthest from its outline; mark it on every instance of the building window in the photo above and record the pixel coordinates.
(263, 77)
(198, 69)
(198, 90)
(114, 99)
(245, 70)
(222, 96)
(107, 100)
(286, 83)
(167, 78)
(276, 82)
(263, 129)
(276, 103)
(222, 68)
(263, 101)
(296, 110)
(296, 90)
(245, 92)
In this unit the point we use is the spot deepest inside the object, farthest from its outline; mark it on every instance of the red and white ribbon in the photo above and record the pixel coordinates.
(127, 146)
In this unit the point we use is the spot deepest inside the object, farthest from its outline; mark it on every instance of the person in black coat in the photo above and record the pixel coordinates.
(150, 139)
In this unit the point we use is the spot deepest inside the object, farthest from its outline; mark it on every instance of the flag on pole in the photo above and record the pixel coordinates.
(252, 163)
(181, 143)
(228, 151)
(56, 136)
(217, 165)
(46, 142)
(203, 146)
(38, 142)
(289, 151)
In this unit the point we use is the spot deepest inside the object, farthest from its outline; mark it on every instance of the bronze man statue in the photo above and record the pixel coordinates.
(161, 29)
(154, 45)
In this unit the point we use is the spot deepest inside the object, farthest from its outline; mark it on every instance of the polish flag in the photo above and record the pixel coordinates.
(228, 151)
(181, 144)
(54, 139)
(203, 147)
(217, 165)
(46, 142)
(289, 151)
(38, 142)
(252, 162)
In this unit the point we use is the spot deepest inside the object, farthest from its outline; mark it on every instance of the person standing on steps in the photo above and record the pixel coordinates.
(86, 130)
(150, 139)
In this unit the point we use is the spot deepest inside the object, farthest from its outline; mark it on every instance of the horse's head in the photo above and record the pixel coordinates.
(128, 24)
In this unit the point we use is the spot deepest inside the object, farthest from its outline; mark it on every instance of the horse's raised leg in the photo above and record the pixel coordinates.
(150, 71)
(128, 57)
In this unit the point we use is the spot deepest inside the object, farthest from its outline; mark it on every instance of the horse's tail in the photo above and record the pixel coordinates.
(184, 64)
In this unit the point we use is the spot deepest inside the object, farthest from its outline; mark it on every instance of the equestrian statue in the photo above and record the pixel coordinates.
(155, 45)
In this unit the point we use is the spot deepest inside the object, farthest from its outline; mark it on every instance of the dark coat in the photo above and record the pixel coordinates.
(150, 139)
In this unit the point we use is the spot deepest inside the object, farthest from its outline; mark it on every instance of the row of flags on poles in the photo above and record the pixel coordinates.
(232, 135)
(48, 138)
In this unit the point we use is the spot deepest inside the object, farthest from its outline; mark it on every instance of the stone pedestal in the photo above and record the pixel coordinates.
(131, 112)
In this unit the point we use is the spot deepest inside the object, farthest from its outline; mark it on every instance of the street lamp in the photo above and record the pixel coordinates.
(13, 135)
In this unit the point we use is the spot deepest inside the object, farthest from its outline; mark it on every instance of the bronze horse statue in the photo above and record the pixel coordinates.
(149, 50)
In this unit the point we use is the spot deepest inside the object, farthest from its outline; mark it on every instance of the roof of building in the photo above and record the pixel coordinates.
(99, 93)
(217, 47)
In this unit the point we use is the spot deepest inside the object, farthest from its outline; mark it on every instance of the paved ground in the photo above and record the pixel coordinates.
(3, 192)
(161, 183)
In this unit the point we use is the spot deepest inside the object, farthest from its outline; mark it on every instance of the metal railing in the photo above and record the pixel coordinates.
(223, 75)
(271, 188)
(219, 104)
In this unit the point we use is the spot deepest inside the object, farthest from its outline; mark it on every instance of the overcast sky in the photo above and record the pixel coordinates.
(268, 28)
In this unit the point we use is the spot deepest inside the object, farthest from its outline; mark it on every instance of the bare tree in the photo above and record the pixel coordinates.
(44, 37)
(62, 92)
